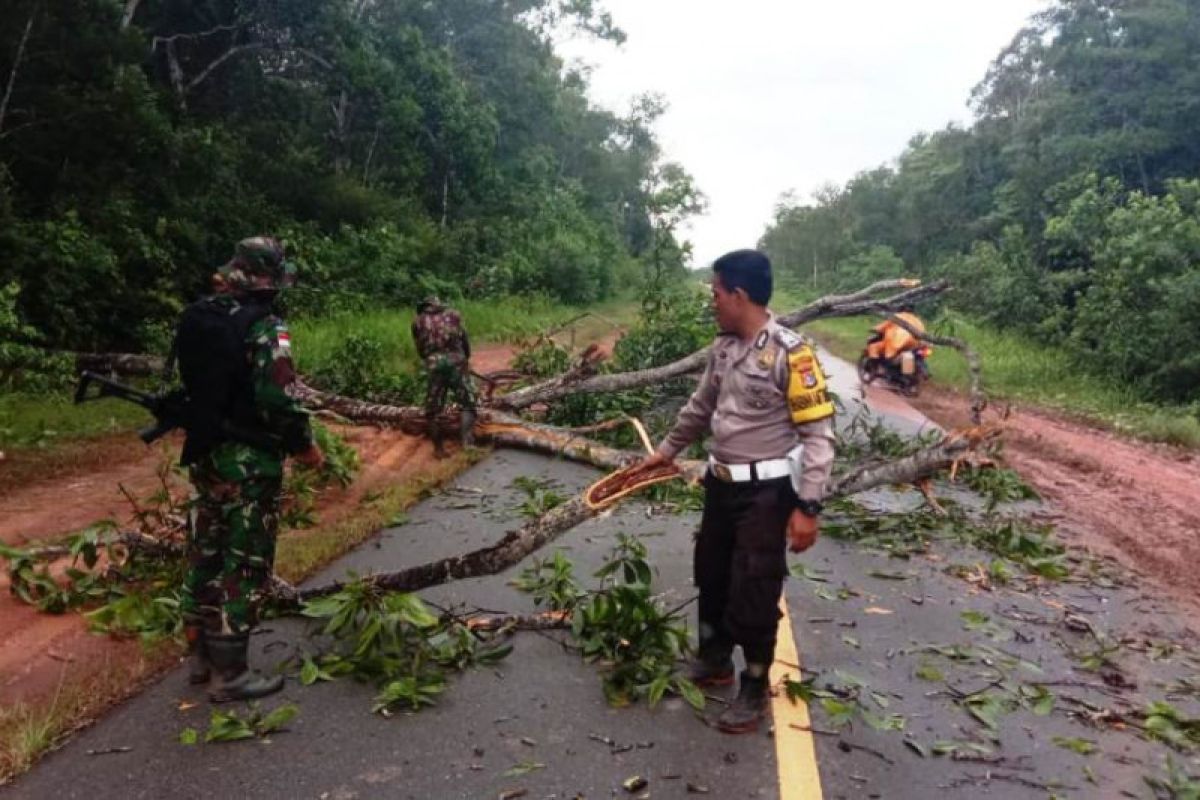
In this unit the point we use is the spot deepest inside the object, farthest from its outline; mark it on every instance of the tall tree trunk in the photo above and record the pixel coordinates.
(16, 67)
(131, 7)
(340, 112)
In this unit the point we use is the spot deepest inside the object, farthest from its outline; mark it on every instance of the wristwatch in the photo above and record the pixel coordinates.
(809, 508)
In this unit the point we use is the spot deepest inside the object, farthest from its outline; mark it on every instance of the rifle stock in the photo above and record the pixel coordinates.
(171, 410)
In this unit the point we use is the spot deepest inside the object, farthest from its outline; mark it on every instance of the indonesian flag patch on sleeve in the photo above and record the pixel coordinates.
(285, 339)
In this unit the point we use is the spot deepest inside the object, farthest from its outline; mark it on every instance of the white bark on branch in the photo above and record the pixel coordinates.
(533, 535)
(131, 7)
(221, 59)
(16, 67)
(831, 306)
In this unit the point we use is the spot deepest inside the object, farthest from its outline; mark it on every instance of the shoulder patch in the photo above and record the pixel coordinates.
(789, 339)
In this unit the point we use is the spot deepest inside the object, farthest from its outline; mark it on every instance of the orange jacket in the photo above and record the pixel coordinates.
(895, 339)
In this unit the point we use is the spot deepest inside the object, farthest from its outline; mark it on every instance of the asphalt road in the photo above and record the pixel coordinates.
(907, 636)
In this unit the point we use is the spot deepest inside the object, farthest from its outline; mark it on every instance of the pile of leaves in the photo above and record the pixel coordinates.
(394, 641)
(621, 625)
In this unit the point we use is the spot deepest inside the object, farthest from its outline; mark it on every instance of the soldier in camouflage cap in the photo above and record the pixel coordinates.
(443, 345)
(258, 264)
(235, 360)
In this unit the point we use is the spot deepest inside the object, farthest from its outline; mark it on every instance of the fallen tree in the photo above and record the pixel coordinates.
(499, 424)
(537, 533)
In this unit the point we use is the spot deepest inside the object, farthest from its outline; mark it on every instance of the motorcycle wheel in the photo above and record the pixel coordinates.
(865, 373)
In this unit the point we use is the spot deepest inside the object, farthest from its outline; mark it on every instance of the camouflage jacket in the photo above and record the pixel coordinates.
(440, 333)
(272, 378)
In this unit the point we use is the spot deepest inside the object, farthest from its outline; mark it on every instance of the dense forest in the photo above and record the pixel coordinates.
(397, 146)
(1068, 210)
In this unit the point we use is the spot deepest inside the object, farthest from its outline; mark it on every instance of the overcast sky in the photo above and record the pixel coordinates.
(771, 95)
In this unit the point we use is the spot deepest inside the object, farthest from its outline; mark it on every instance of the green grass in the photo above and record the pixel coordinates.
(507, 320)
(1015, 368)
(35, 422)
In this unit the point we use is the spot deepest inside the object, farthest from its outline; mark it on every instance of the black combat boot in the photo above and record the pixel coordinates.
(435, 434)
(745, 712)
(235, 681)
(713, 664)
(468, 427)
(199, 668)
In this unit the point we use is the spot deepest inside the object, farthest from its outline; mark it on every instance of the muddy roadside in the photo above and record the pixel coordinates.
(55, 675)
(1129, 500)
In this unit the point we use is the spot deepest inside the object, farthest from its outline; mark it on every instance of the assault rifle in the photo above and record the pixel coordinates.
(171, 410)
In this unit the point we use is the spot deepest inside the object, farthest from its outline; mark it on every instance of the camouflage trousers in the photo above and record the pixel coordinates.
(447, 378)
(231, 548)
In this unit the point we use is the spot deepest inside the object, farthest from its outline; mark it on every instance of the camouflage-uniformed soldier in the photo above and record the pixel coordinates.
(444, 348)
(235, 360)
(763, 393)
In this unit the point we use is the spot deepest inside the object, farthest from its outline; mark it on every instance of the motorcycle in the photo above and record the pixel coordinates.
(903, 377)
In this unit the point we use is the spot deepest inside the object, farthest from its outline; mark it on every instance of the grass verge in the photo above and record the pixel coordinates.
(45, 433)
(1015, 368)
(85, 689)
(506, 320)
(41, 422)
(301, 553)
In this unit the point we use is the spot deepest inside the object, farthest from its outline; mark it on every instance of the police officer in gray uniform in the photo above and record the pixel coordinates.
(764, 396)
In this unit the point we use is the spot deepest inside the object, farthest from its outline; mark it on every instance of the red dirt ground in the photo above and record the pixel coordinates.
(38, 651)
(1136, 502)
(497, 357)
(75, 488)
(71, 489)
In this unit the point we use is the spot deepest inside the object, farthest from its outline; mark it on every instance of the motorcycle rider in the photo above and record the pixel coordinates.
(897, 349)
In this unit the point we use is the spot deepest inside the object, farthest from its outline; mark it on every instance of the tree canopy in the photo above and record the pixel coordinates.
(398, 146)
(1068, 209)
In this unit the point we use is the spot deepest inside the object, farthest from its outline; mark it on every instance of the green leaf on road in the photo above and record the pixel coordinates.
(840, 713)
(928, 672)
(523, 768)
(276, 719)
(1084, 747)
(227, 727)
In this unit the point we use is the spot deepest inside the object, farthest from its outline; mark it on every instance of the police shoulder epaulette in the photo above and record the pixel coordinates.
(789, 339)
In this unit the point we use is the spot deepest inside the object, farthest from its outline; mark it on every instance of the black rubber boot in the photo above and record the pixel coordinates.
(746, 712)
(199, 668)
(435, 436)
(712, 666)
(467, 434)
(235, 681)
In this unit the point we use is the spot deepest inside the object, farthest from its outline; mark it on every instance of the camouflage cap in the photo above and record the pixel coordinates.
(431, 302)
(258, 263)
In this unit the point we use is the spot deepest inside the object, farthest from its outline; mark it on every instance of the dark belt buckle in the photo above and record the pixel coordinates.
(722, 472)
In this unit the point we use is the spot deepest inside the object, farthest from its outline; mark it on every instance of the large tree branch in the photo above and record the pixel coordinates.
(831, 306)
(532, 536)
(219, 60)
(134, 364)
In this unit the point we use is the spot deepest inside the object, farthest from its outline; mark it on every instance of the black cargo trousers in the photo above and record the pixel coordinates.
(740, 564)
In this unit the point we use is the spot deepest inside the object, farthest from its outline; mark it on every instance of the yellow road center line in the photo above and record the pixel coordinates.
(795, 749)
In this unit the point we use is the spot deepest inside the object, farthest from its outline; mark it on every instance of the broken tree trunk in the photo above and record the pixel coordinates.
(579, 382)
(501, 428)
(132, 364)
(533, 535)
